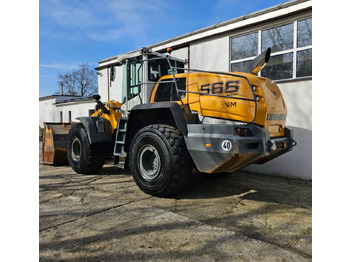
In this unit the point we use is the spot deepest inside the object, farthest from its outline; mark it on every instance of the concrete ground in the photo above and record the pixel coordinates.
(105, 217)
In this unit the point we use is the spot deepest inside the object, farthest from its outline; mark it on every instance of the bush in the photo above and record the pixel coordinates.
(41, 132)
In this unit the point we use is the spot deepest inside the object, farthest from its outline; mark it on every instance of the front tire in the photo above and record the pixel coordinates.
(159, 161)
(80, 153)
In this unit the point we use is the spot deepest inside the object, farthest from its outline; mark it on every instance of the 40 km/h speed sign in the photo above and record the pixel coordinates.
(226, 145)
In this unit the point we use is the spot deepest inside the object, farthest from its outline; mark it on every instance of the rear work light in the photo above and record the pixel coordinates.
(243, 132)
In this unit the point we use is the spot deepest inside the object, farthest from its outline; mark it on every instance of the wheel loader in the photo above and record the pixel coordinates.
(174, 119)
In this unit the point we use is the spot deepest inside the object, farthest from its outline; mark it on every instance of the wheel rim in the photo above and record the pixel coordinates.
(149, 162)
(76, 149)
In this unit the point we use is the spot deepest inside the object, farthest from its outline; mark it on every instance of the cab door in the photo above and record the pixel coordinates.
(132, 79)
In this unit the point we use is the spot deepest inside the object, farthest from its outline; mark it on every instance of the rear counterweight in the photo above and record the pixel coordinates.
(221, 148)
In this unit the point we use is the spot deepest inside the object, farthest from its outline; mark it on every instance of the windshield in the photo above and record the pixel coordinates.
(160, 67)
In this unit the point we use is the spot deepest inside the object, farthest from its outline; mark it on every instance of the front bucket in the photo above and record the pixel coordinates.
(55, 143)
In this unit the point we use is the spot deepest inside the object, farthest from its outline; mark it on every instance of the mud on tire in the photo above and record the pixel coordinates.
(159, 161)
(80, 153)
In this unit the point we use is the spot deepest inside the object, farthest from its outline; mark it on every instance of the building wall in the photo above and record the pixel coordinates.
(47, 111)
(298, 98)
(77, 109)
(103, 85)
(181, 53)
(116, 85)
(212, 54)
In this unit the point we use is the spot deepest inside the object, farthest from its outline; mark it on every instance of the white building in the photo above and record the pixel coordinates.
(227, 46)
(63, 108)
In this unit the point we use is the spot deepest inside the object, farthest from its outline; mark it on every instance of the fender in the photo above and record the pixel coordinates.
(98, 129)
(168, 113)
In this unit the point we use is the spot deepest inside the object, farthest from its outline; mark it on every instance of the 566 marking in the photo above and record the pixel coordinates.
(218, 87)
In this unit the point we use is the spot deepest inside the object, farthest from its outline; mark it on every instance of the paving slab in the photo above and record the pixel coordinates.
(240, 217)
(135, 232)
(282, 219)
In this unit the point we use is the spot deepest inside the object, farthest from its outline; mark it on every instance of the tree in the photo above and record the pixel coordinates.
(82, 81)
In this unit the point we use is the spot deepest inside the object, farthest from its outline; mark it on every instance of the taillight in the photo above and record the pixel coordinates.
(243, 132)
(246, 132)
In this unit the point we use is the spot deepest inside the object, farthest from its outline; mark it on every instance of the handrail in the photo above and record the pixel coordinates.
(172, 68)
(230, 74)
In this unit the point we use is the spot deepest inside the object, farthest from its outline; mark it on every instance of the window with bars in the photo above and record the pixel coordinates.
(291, 50)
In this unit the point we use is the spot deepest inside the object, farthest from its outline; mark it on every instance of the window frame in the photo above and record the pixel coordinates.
(168, 81)
(271, 25)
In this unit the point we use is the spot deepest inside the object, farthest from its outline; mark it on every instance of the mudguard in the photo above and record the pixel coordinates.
(168, 113)
(98, 129)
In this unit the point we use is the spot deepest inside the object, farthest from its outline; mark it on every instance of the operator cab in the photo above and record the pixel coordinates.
(158, 67)
(141, 73)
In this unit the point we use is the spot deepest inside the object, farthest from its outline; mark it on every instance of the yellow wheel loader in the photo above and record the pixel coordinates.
(173, 119)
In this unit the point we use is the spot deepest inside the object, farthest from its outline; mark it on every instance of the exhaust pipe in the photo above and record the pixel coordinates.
(258, 63)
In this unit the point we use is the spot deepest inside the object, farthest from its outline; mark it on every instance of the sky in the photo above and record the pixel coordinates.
(87, 31)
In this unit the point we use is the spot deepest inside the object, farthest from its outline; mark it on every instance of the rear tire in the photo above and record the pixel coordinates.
(80, 153)
(159, 161)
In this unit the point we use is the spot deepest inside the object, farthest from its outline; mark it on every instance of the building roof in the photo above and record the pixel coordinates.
(274, 12)
(75, 99)
(60, 99)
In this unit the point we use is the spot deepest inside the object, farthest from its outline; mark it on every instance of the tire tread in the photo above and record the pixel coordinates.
(182, 164)
(94, 162)
(182, 160)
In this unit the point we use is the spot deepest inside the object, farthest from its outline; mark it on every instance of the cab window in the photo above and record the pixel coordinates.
(134, 77)
(160, 67)
(167, 90)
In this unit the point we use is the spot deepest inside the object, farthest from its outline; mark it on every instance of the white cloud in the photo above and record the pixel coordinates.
(107, 20)
(135, 19)
(109, 35)
(102, 21)
(70, 66)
